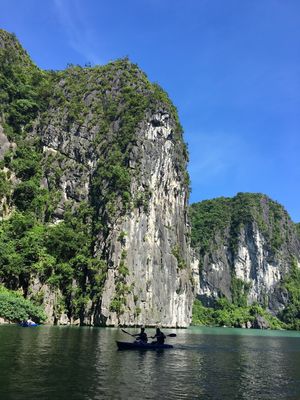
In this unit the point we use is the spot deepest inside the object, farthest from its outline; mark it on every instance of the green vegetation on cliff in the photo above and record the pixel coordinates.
(29, 248)
(226, 216)
(298, 228)
(228, 314)
(24, 87)
(291, 283)
(207, 218)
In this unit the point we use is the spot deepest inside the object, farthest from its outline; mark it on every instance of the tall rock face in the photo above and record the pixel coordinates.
(245, 245)
(154, 234)
(95, 172)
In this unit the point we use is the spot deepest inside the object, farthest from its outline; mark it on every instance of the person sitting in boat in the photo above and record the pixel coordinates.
(30, 322)
(142, 336)
(160, 337)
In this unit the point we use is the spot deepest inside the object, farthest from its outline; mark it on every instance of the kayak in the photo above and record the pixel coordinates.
(26, 325)
(142, 346)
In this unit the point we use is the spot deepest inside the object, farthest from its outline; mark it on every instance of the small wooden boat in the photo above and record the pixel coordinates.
(142, 346)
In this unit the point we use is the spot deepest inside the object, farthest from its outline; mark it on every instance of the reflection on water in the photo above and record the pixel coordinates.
(84, 363)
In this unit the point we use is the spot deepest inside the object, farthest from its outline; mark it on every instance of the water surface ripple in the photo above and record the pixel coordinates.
(206, 363)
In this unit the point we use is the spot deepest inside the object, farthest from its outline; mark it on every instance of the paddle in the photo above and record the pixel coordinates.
(123, 330)
(170, 335)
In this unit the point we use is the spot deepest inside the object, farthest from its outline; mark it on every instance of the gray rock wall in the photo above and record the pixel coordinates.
(254, 262)
(162, 292)
(154, 244)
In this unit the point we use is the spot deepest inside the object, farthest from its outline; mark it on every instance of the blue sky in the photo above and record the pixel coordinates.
(231, 67)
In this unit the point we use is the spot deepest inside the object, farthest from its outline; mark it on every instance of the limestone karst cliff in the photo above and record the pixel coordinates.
(245, 247)
(94, 192)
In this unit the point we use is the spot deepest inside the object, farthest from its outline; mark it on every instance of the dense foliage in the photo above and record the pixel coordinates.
(224, 217)
(29, 248)
(207, 218)
(13, 307)
(228, 314)
(291, 314)
(24, 87)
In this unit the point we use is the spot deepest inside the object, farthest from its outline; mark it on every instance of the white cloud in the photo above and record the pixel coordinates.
(80, 36)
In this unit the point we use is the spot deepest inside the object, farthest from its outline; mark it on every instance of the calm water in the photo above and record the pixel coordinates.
(207, 363)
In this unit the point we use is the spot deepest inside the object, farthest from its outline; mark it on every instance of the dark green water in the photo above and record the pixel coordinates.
(83, 363)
